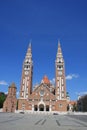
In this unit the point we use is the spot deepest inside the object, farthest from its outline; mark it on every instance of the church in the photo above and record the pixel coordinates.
(45, 96)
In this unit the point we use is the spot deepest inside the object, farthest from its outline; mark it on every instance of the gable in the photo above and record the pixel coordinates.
(42, 91)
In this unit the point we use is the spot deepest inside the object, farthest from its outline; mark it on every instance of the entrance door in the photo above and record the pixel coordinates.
(35, 108)
(47, 107)
(41, 107)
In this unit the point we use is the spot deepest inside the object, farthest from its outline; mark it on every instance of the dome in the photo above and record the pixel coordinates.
(46, 80)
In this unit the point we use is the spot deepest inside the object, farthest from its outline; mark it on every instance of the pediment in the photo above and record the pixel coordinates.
(42, 90)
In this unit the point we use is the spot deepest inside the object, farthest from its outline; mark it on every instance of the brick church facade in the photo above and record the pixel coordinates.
(45, 96)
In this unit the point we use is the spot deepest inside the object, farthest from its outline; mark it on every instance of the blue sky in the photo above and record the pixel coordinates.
(44, 22)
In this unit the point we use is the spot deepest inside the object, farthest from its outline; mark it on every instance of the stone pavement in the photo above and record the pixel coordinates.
(12, 121)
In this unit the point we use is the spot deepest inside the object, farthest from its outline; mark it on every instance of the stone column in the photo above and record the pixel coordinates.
(38, 108)
(50, 107)
(32, 107)
(44, 107)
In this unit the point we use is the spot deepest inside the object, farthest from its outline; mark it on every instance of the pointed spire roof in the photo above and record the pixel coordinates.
(59, 47)
(58, 42)
(30, 44)
(29, 50)
(28, 55)
(12, 85)
(59, 52)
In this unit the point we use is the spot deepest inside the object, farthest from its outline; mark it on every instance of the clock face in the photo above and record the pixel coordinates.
(26, 72)
(60, 72)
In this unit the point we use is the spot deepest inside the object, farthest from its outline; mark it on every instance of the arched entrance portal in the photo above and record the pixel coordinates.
(41, 107)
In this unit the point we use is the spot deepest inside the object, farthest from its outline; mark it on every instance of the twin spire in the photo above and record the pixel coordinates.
(59, 46)
(59, 51)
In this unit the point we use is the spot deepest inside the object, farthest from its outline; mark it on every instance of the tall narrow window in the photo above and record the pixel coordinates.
(62, 81)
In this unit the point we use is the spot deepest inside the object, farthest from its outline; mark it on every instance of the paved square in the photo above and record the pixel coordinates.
(12, 121)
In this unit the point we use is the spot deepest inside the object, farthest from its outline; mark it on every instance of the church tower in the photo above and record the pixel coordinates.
(60, 90)
(11, 100)
(27, 71)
